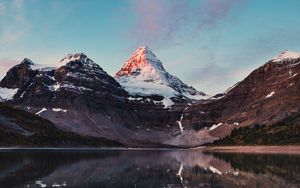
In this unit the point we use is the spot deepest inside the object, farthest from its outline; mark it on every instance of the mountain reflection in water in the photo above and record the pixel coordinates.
(147, 168)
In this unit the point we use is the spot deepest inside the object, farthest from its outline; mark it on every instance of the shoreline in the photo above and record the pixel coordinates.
(254, 149)
(85, 149)
(207, 149)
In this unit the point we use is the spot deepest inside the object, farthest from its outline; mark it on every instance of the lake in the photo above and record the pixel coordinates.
(146, 168)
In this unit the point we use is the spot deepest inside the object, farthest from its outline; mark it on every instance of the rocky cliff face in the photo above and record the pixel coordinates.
(19, 75)
(80, 97)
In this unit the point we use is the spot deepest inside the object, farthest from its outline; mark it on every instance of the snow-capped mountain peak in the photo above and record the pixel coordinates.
(286, 55)
(144, 66)
(74, 57)
(144, 74)
(80, 60)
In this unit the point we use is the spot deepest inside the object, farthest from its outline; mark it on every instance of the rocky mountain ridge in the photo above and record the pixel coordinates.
(266, 96)
(80, 97)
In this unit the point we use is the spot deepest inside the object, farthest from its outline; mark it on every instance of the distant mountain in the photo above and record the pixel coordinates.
(143, 75)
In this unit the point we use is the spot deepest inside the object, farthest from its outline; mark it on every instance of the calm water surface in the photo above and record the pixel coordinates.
(172, 168)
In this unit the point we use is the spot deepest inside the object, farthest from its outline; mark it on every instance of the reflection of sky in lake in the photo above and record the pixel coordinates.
(146, 169)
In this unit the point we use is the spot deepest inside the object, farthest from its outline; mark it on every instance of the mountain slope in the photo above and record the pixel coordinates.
(81, 98)
(284, 132)
(20, 128)
(143, 75)
(268, 95)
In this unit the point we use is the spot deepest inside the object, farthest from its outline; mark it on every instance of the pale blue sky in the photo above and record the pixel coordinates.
(210, 44)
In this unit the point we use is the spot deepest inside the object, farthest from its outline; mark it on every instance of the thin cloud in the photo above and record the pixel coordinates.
(18, 3)
(160, 21)
(2, 8)
(210, 12)
(17, 27)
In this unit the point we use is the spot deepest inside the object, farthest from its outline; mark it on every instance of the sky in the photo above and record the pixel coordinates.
(209, 44)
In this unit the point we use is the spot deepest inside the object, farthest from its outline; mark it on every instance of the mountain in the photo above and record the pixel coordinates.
(80, 97)
(144, 106)
(77, 74)
(270, 94)
(144, 75)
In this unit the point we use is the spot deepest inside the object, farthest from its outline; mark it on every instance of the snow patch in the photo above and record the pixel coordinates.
(215, 126)
(135, 99)
(235, 124)
(196, 97)
(270, 94)
(180, 126)
(287, 55)
(59, 185)
(22, 95)
(55, 87)
(181, 118)
(40, 183)
(42, 67)
(7, 93)
(58, 110)
(134, 87)
(167, 103)
(214, 170)
(41, 111)
(58, 86)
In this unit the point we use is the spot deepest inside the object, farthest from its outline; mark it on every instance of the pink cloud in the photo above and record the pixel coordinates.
(212, 11)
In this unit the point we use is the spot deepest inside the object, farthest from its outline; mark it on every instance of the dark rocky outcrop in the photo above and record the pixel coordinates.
(20, 75)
